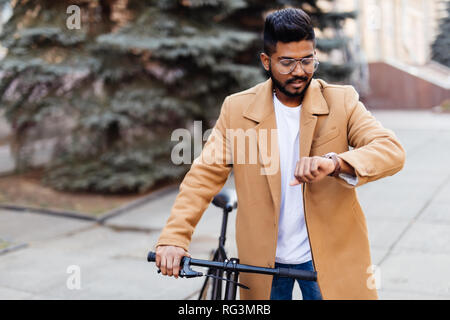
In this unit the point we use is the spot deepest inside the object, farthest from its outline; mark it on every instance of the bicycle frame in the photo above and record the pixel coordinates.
(226, 199)
(220, 255)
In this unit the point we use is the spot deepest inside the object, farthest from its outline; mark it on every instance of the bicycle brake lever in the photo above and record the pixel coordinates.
(186, 271)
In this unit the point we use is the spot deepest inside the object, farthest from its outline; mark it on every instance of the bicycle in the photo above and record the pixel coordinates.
(227, 200)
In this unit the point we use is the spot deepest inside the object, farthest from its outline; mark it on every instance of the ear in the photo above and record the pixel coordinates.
(265, 60)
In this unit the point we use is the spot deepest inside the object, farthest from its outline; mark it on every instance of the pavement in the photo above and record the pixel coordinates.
(408, 217)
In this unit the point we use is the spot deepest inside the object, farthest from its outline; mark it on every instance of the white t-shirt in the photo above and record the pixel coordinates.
(293, 243)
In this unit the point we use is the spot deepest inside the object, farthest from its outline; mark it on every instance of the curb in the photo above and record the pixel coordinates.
(13, 248)
(102, 218)
(62, 213)
(136, 203)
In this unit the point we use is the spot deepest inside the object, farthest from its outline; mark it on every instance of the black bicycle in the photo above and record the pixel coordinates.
(220, 264)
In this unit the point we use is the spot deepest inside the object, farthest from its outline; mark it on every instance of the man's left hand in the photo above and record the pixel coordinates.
(312, 169)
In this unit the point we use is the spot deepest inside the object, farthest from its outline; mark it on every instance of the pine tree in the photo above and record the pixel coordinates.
(112, 92)
(120, 87)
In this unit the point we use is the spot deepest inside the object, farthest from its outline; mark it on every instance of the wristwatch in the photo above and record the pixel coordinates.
(337, 166)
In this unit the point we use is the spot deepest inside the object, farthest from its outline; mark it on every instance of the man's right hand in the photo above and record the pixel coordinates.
(168, 259)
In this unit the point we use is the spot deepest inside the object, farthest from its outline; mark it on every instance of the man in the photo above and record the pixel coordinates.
(297, 206)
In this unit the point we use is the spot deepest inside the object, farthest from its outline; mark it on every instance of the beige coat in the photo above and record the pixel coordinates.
(332, 119)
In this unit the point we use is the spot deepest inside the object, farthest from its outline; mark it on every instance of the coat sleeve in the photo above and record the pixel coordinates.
(377, 151)
(206, 177)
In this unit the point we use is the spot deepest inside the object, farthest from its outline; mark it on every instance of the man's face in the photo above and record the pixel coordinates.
(295, 83)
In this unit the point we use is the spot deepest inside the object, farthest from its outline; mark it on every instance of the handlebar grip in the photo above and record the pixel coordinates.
(299, 274)
(151, 257)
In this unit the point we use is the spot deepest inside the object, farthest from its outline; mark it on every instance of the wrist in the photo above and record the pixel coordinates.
(336, 161)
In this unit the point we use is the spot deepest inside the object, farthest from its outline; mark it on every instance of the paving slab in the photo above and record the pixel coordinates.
(425, 237)
(382, 233)
(377, 254)
(418, 272)
(417, 120)
(24, 227)
(154, 215)
(443, 195)
(408, 295)
(112, 265)
(436, 212)
(13, 294)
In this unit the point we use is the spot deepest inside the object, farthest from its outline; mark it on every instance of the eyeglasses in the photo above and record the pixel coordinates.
(286, 66)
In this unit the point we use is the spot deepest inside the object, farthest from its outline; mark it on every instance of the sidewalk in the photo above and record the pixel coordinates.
(408, 216)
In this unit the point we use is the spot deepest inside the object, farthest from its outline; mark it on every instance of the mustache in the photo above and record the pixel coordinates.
(295, 79)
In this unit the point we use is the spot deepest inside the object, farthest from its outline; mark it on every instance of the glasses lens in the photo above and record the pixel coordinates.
(286, 66)
(309, 65)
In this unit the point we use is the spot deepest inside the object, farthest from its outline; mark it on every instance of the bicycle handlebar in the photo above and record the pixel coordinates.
(231, 266)
(298, 274)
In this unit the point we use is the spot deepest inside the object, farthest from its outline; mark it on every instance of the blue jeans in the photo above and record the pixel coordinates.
(282, 286)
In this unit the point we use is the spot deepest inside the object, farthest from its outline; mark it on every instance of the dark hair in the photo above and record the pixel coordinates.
(287, 25)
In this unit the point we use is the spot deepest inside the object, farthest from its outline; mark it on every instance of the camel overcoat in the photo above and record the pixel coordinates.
(332, 119)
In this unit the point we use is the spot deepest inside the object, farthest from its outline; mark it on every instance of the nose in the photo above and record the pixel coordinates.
(298, 70)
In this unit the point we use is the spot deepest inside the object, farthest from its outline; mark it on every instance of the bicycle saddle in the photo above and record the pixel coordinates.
(226, 199)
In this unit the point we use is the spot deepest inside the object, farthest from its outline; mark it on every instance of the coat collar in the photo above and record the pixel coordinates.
(262, 105)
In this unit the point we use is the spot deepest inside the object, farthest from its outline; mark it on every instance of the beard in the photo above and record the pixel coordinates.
(282, 87)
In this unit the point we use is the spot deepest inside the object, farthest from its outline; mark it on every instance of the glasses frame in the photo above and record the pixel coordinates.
(278, 63)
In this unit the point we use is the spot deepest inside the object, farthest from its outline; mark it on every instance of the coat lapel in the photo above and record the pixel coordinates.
(261, 110)
(313, 105)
